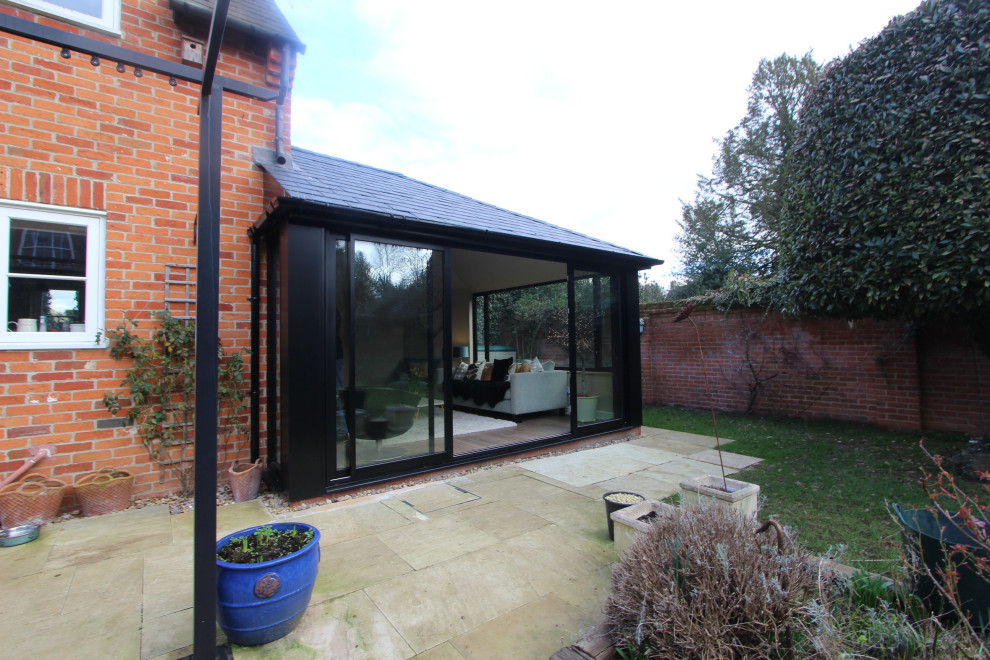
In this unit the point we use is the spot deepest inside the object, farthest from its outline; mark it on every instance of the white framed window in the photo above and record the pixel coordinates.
(52, 261)
(100, 14)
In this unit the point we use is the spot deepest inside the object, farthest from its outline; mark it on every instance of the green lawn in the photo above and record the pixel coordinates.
(830, 481)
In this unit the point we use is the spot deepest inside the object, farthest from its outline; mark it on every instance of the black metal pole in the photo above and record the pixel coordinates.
(207, 337)
(207, 343)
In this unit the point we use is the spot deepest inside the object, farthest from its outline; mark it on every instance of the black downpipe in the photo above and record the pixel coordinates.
(283, 89)
(255, 349)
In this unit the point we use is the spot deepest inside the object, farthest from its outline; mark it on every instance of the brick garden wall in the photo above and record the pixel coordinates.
(877, 372)
(90, 137)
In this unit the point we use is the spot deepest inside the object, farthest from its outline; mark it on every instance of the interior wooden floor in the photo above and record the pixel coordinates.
(528, 429)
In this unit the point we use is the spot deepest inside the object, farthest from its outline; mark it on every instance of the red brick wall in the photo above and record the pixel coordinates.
(77, 135)
(955, 389)
(876, 372)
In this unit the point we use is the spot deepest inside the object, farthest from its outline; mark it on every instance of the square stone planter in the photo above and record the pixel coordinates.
(627, 523)
(741, 496)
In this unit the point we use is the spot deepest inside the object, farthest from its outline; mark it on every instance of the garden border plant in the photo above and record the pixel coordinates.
(161, 386)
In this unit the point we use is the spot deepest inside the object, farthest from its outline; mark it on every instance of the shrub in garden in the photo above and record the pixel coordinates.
(703, 584)
(886, 214)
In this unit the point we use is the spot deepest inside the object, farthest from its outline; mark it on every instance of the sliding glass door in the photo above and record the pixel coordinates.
(597, 347)
(397, 353)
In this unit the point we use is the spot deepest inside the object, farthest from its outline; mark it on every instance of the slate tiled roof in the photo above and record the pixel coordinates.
(332, 182)
(261, 17)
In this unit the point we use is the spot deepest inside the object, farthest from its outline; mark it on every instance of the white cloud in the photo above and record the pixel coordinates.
(594, 116)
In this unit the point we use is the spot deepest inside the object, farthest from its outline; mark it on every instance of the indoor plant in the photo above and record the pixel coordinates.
(265, 577)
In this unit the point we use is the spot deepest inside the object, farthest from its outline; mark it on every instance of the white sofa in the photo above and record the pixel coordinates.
(528, 393)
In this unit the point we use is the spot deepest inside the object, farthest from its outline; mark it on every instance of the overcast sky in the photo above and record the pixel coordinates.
(597, 116)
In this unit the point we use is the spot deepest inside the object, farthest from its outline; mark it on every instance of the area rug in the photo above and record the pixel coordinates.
(468, 423)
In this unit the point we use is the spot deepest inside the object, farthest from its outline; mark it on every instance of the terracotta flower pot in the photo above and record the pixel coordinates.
(245, 480)
(105, 491)
(32, 501)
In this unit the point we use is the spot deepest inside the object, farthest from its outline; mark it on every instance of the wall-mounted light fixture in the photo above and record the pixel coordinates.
(642, 325)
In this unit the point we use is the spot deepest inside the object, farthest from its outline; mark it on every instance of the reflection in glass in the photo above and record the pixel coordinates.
(47, 264)
(596, 322)
(398, 332)
(526, 322)
(342, 350)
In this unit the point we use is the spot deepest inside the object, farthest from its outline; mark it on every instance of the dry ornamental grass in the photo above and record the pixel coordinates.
(702, 584)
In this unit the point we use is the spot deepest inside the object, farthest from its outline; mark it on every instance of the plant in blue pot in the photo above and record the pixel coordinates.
(265, 577)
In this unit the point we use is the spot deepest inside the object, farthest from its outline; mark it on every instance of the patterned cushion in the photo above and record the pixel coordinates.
(474, 371)
(535, 365)
(461, 371)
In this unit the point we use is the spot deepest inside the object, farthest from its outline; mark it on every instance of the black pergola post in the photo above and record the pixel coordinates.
(207, 280)
(207, 344)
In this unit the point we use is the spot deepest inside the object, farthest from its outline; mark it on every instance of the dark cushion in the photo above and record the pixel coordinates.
(501, 369)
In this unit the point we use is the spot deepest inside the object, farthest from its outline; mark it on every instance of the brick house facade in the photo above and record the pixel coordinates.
(83, 140)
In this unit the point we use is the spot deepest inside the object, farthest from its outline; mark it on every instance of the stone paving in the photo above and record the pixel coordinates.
(508, 562)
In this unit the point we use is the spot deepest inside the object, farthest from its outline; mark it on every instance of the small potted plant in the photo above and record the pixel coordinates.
(265, 577)
(587, 403)
(741, 496)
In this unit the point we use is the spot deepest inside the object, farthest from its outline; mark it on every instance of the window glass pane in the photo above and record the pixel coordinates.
(45, 248)
(398, 359)
(55, 305)
(88, 7)
(596, 321)
(526, 323)
(342, 353)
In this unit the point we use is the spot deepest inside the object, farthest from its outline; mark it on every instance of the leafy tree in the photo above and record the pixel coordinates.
(732, 224)
(650, 291)
(888, 201)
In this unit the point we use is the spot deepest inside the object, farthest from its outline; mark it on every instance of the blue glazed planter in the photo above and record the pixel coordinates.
(259, 603)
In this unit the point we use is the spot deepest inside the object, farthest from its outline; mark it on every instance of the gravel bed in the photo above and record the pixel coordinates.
(277, 504)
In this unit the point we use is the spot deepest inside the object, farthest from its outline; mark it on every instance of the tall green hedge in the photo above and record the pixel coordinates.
(888, 213)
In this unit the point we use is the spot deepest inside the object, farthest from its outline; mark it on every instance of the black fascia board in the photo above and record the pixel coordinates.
(362, 222)
(195, 14)
(89, 46)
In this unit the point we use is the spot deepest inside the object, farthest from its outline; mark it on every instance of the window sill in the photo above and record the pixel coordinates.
(52, 345)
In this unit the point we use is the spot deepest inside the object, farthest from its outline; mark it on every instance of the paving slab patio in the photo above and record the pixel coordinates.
(507, 562)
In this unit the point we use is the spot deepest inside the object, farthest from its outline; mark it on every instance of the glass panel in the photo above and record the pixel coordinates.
(596, 321)
(343, 350)
(526, 323)
(51, 305)
(88, 7)
(398, 333)
(46, 248)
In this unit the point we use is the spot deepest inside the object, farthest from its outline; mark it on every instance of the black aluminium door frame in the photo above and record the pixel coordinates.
(628, 301)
